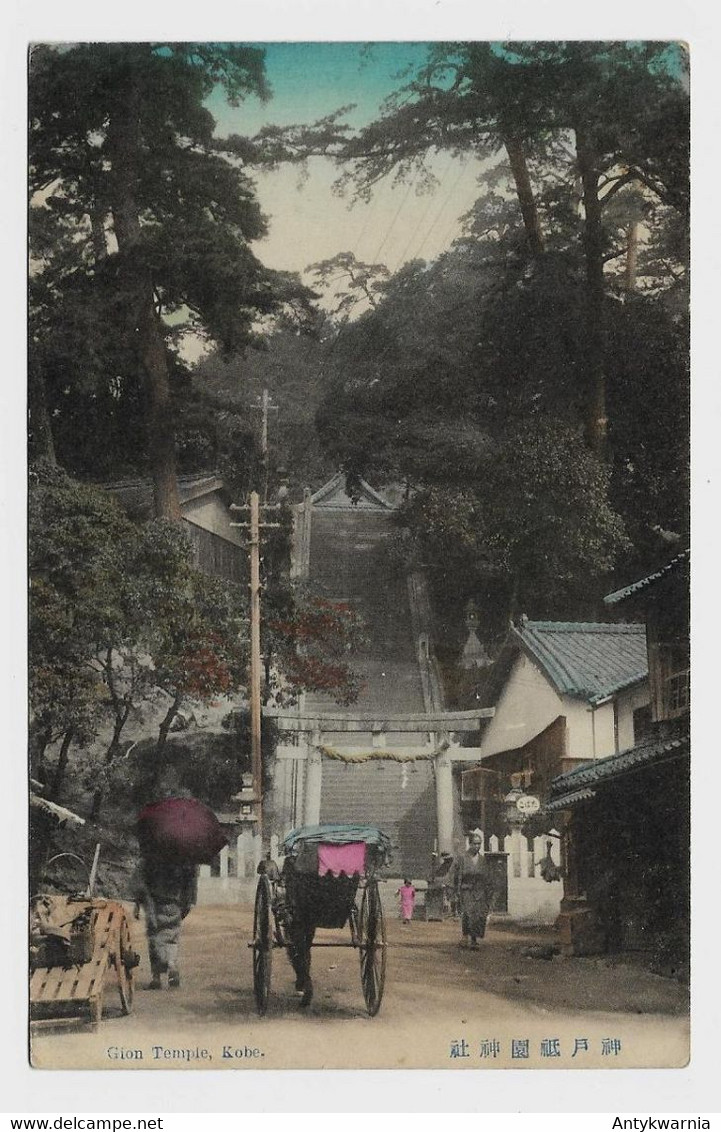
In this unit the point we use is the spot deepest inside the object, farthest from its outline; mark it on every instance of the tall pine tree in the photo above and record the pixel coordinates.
(152, 215)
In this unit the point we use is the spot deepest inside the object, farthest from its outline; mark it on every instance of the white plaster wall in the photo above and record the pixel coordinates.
(537, 905)
(591, 731)
(210, 513)
(528, 703)
(531, 899)
(635, 697)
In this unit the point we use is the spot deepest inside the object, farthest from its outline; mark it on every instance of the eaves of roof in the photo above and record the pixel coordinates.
(581, 784)
(194, 487)
(588, 660)
(137, 494)
(568, 800)
(611, 690)
(649, 580)
(336, 486)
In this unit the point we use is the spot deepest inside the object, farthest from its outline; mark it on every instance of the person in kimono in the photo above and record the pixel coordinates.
(407, 894)
(166, 889)
(473, 892)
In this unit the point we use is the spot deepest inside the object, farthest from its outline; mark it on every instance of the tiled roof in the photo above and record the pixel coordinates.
(333, 495)
(570, 800)
(651, 579)
(580, 785)
(585, 659)
(136, 496)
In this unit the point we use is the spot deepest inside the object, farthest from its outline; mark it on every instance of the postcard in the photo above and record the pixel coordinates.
(358, 387)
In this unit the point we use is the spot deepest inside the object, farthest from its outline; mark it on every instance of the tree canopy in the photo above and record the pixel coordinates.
(118, 617)
(139, 215)
(539, 369)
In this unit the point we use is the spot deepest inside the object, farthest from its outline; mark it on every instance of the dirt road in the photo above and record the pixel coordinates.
(443, 1008)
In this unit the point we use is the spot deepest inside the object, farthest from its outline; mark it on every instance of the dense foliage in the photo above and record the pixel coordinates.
(140, 220)
(530, 386)
(119, 619)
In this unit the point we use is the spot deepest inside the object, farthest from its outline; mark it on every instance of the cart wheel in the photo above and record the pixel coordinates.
(95, 1007)
(125, 960)
(262, 945)
(372, 933)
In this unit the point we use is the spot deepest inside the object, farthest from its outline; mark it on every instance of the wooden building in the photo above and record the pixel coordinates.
(563, 693)
(626, 818)
(218, 548)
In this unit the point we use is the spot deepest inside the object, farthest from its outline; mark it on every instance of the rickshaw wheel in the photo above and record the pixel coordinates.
(262, 945)
(372, 943)
(125, 960)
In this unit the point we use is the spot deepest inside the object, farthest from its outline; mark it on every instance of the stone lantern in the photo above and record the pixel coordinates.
(473, 654)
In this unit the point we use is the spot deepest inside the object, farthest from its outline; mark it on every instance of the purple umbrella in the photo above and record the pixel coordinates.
(182, 828)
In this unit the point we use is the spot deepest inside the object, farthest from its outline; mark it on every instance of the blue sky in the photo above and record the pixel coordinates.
(308, 222)
(309, 80)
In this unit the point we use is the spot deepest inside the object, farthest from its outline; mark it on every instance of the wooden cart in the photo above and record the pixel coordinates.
(99, 952)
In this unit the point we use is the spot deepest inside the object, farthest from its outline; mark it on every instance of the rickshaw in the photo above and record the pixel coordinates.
(329, 880)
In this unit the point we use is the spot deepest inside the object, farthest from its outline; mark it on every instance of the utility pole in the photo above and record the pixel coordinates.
(265, 405)
(255, 737)
(254, 526)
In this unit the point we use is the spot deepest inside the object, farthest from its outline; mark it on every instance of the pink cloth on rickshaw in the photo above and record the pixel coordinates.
(336, 859)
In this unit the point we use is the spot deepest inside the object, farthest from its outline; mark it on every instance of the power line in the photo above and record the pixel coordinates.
(450, 193)
(347, 317)
(402, 260)
(393, 221)
(402, 257)
(446, 235)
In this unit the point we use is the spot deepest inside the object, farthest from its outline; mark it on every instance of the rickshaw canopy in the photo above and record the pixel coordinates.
(330, 834)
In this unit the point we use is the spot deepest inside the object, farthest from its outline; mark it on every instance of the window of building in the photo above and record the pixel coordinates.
(676, 691)
(641, 722)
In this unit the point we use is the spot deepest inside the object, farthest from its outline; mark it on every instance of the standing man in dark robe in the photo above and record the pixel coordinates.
(167, 890)
(473, 890)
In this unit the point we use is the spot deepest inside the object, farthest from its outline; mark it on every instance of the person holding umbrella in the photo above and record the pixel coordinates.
(167, 890)
(175, 836)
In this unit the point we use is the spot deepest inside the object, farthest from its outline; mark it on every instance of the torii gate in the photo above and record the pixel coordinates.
(440, 725)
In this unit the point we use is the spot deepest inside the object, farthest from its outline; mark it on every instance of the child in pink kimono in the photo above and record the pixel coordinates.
(407, 894)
